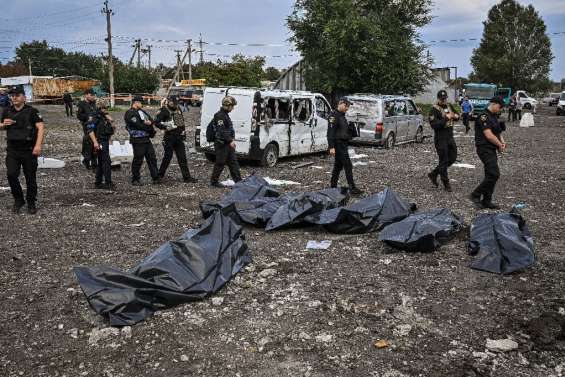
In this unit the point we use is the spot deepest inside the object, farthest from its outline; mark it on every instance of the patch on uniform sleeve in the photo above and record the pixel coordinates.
(134, 119)
(220, 123)
(484, 118)
(332, 119)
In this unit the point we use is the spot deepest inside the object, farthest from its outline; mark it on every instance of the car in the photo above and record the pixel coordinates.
(527, 102)
(560, 110)
(385, 120)
(269, 124)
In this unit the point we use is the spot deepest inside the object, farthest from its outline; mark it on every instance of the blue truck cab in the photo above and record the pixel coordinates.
(479, 96)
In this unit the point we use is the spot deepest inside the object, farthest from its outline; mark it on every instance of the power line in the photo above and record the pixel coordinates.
(43, 16)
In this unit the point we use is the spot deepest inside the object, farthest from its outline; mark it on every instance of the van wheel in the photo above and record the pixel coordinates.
(528, 106)
(420, 135)
(390, 141)
(270, 156)
(210, 157)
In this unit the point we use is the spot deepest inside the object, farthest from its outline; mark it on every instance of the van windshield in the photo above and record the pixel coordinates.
(364, 108)
(487, 92)
(563, 96)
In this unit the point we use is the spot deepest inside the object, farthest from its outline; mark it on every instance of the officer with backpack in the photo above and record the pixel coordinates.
(100, 129)
(220, 131)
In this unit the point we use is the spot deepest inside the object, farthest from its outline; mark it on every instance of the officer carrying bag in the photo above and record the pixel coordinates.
(211, 132)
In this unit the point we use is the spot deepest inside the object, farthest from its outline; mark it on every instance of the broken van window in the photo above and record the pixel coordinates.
(302, 109)
(277, 109)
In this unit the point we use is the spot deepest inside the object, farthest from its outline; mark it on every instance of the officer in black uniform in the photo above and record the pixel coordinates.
(140, 128)
(489, 140)
(224, 143)
(25, 129)
(171, 120)
(339, 135)
(86, 112)
(442, 116)
(100, 130)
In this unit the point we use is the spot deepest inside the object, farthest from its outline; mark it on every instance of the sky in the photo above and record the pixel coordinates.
(78, 25)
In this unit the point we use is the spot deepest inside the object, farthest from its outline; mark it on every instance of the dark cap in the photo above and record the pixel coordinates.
(442, 94)
(173, 99)
(89, 91)
(16, 90)
(498, 100)
(137, 99)
(345, 100)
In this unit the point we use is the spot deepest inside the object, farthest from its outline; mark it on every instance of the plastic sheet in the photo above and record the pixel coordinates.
(302, 207)
(191, 268)
(366, 215)
(502, 243)
(423, 232)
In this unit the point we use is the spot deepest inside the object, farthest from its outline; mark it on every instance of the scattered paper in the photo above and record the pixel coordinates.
(466, 166)
(359, 163)
(271, 181)
(4, 189)
(317, 167)
(353, 155)
(87, 205)
(50, 163)
(137, 225)
(321, 245)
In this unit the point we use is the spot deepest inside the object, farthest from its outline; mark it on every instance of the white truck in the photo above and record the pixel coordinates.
(268, 124)
(527, 102)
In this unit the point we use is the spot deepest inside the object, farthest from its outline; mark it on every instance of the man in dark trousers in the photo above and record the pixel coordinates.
(339, 135)
(140, 128)
(171, 120)
(224, 143)
(25, 129)
(100, 131)
(442, 116)
(86, 111)
(489, 140)
(467, 109)
(68, 101)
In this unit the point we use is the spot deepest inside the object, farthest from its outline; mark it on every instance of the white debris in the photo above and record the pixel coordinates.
(324, 338)
(137, 225)
(465, 166)
(97, 335)
(353, 155)
(87, 205)
(183, 358)
(126, 332)
(359, 163)
(270, 181)
(501, 345)
(402, 330)
(321, 245)
(268, 272)
(527, 120)
(217, 301)
(50, 163)
(4, 189)
(121, 152)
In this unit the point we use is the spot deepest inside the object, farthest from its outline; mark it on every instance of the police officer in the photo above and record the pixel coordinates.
(68, 101)
(489, 140)
(140, 128)
(86, 112)
(224, 143)
(100, 130)
(467, 109)
(171, 120)
(25, 128)
(442, 116)
(4, 100)
(339, 135)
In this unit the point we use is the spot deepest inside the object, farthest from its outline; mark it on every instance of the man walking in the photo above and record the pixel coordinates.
(68, 101)
(339, 135)
(86, 111)
(489, 140)
(25, 129)
(171, 120)
(442, 116)
(221, 132)
(140, 128)
(467, 109)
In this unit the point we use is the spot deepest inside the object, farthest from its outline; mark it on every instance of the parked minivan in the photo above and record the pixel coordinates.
(385, 120)
(561, 105)
(269, 124)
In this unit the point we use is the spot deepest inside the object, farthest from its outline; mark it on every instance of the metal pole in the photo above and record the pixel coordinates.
(109, 13)
(190, 61)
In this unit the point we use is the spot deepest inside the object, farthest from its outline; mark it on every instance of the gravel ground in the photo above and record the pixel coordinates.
(314, 313)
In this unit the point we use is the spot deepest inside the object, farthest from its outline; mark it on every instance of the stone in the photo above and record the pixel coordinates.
(501, 345)
(402, 330)
(305, 336)
(126, 332)
(263, 342)
(183, 358)
(324, 338)
(97, 335)
(381, 343)
(268, 272)
(73, 333)
(217, 301)
(315, 304)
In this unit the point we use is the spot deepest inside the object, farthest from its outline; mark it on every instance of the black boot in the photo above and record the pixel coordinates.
(446, 185)
(355, 191)
(18, 206)
(433, 177)
(476, 199)
(489, 205)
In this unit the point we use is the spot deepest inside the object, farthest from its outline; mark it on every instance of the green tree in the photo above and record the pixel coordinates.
(515, 50)
(271, 74)
(361, 45)
(241, 71)
(130, 79)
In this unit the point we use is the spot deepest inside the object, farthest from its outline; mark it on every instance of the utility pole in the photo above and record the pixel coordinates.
(109, 13)
(138, 43)
(190, 60)
(201, 50)
(149, 54)
(178, 72)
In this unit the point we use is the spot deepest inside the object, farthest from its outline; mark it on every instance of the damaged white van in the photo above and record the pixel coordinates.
(268, 124)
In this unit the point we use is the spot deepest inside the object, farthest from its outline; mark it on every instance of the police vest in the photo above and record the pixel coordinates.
(23, 129)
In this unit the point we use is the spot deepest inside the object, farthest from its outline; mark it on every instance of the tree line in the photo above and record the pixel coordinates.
(347, 46)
